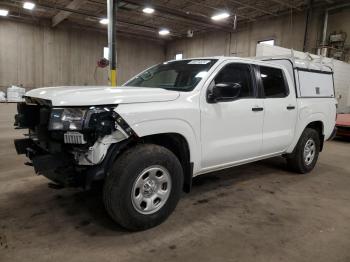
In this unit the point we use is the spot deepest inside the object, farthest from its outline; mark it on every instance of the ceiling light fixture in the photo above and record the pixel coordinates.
(28, 5)
(4, 12)
(148, 10)
(104, 21)
(164, 32)
(220, 16)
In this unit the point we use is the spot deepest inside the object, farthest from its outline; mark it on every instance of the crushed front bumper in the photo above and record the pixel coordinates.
(59, 167)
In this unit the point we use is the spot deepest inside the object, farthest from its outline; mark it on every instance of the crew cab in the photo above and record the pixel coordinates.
(147, 139)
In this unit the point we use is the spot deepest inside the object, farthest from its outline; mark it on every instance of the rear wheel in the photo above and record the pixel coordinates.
(305, 155)
(143, 187)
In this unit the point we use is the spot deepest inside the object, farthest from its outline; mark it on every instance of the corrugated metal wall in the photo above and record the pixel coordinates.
(242, 42)
(37, 55)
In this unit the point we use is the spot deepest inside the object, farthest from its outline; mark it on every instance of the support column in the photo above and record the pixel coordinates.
(112, 6)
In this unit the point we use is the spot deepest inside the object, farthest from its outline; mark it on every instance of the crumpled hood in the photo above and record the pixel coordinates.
(101, 95)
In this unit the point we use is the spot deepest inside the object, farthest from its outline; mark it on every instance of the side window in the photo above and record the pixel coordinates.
(237, 73)
(273, 82)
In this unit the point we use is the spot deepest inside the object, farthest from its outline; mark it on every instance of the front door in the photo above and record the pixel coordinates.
(231, 131)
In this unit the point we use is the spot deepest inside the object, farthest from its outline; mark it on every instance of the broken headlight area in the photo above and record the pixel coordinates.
(103, 121)
(93, 122)
(72, 129)
(88, 133)
(67, 119)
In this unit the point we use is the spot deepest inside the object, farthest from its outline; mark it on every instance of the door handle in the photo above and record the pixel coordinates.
(290, 107)
(257, 109)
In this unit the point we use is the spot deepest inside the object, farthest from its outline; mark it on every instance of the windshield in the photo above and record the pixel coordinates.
(181, 75)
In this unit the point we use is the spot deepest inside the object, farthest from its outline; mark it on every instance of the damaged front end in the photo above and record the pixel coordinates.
(72, 146)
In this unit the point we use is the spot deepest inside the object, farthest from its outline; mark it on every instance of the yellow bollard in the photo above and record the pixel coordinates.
(113, 77)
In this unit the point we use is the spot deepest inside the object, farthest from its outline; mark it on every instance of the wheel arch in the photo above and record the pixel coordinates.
(179, 146)
(174, 142)
(319, 127)
(173, 126)
(316, 122)
(174, 134)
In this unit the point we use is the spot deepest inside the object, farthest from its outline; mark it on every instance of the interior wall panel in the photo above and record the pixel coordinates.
(287, 30)
(36, 55)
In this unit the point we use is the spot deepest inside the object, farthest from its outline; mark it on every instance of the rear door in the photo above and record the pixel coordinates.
(280, 112)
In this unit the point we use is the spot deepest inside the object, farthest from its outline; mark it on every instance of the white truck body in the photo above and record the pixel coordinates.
(146, 140)
(219, 135)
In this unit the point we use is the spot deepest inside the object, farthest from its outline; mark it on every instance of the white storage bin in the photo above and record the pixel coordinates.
(2, 97)
(15, 94)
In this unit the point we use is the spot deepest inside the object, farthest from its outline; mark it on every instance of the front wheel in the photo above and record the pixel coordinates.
(143, 187)
(305, 155)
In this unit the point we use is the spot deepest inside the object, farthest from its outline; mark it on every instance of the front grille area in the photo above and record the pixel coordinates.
(34, 117)
(31, 115)
(74, 138)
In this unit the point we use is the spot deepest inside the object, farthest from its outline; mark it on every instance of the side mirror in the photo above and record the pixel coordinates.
(224, 92)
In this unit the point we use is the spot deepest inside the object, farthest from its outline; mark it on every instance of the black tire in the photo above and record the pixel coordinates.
(118, 188)
(296, 161)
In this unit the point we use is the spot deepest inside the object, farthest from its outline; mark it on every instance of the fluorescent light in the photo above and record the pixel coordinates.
(4, 12)
(148, 10)
(104, 21)
(28, 5)
(220, 16)
(164, 32)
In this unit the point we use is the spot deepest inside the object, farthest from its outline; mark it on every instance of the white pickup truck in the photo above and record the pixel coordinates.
(148, 138)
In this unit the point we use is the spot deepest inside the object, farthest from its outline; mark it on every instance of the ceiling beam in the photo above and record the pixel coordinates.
(218, 9)
(253, 7)
(83, 13)
(186, 16)
(62, 15)
(121, 30)
(287, 4)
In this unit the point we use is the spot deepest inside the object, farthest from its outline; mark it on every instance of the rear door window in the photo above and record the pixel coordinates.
(273, 82)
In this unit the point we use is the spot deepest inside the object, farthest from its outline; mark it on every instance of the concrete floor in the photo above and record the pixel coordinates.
(257, 212)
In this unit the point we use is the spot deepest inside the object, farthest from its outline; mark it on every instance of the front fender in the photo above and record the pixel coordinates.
(161, 126)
